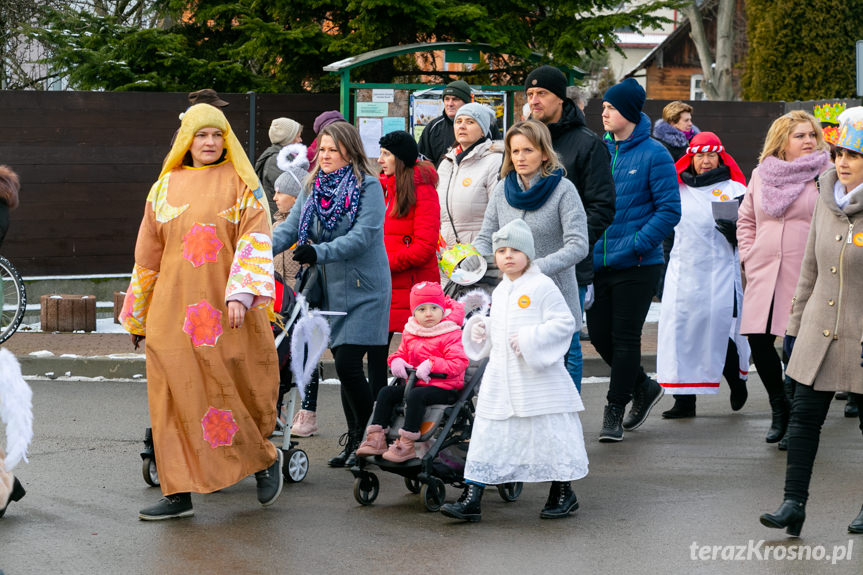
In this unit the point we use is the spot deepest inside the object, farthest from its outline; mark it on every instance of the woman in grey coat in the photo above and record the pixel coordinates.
(341, 212)
(533, 188)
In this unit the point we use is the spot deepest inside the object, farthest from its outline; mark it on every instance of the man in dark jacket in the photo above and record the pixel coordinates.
(587, 165)
(439, 134)
(628, 257)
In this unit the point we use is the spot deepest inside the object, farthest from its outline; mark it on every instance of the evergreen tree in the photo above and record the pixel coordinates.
(801, 49)
(282, 45)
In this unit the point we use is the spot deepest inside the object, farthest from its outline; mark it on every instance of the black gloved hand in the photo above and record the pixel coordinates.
(728, 228)
(788, 345)
(305, 254)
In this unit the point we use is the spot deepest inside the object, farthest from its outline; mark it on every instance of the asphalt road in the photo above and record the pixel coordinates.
(649, 505)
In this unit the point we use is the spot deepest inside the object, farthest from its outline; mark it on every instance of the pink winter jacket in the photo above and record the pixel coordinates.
(441, 344)
(771, 252)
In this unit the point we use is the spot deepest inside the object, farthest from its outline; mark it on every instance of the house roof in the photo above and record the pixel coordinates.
(670, 39)
(633, 40)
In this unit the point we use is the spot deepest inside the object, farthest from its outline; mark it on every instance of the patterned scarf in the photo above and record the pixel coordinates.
(334, 195)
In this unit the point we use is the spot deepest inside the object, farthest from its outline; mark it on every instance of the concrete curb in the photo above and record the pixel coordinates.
(111, 367)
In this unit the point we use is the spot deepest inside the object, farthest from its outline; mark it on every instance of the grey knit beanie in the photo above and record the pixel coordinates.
(460, 89)
(283, 131)
(482, 115)
(516, 235)
(294, 163)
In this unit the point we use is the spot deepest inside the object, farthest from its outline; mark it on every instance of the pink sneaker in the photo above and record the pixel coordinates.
(375, 442)
(305, 424)
(402, 448)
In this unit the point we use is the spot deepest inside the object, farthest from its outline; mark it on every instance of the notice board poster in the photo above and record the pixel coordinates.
(426, 105)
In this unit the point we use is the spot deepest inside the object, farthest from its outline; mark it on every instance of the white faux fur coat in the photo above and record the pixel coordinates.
(536, 382)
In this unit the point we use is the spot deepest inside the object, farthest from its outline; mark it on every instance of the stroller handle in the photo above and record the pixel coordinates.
(411, 371)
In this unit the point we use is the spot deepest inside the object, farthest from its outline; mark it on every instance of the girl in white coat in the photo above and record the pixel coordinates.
(527, 426)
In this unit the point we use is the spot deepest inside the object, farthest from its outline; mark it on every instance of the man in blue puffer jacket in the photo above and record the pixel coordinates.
(627, 258)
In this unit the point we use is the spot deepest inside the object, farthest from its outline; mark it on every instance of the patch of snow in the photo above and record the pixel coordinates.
(41, 353)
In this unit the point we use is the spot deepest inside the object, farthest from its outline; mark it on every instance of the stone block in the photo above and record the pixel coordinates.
(67, 312)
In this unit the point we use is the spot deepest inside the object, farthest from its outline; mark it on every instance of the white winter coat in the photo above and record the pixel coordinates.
(536, 383)
(464, 190)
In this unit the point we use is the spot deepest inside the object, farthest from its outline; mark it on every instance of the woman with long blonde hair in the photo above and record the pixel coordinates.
(773, 224)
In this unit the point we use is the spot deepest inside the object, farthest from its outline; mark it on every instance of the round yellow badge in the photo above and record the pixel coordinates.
(523, 301)
(716, 192)
(858, 239)
(724, 198)
(466, 182)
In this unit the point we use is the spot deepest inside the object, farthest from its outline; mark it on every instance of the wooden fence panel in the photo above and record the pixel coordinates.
(87, 160)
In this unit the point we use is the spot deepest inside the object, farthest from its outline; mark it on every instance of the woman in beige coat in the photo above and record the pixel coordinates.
(771, 234)
(826, 322)
(467, 175)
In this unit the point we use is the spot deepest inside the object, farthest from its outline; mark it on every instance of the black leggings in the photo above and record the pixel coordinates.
(622, 300)
(356, 390)
(767, 362)
(808, 412)
(418, 399)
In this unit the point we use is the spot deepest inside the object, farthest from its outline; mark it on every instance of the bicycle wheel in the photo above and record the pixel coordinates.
(13, 298)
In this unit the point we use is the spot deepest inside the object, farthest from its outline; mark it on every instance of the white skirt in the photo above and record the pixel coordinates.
(529, 449)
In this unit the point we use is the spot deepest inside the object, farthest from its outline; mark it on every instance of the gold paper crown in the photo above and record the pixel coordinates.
(829, 113)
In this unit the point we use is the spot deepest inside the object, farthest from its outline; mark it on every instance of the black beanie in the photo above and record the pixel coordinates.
(460, 89)
(627, 98)
(547, 77)
(401, 145)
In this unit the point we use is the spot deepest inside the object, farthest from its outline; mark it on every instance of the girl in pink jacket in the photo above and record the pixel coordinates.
(431, 343)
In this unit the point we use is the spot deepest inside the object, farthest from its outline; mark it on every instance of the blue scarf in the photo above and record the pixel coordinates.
(534, 197)
(333, 195)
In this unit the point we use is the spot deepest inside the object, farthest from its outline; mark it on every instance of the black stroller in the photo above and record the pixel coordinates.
(447, 430)
(296, 462)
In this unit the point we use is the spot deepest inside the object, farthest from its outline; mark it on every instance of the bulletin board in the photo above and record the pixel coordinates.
(378, 111)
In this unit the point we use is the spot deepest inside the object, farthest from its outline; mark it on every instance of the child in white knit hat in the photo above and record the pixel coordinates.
(527, 426)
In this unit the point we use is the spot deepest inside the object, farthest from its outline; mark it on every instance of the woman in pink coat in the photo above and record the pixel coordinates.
(431, 343)
(772, 229)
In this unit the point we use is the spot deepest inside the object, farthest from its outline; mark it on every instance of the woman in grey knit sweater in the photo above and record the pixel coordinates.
(532, 187)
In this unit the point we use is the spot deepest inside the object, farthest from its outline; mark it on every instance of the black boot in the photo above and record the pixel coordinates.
(612, 423)
(857, 525)
(17, 493)
(647, 394)
(739, 393)
(467, 508)
(851, 407)
(790, 387)
(347, 457)
(561, 501)
(684, 407)
(790, 515)
(781, 413)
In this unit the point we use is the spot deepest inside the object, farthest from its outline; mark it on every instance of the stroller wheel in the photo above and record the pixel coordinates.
(366, 488)
(151, 475)
(434, 494)
(413, 484)
(296, 465)
(510, 492)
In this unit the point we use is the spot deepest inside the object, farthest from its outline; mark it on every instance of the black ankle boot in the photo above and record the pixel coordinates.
(739, 394)
(561, 501)
(467, 508)
(780, 412)
(348, 456)
(857, 525)
(790, 515)
(851, 407)
(684, 407)
(17, 493)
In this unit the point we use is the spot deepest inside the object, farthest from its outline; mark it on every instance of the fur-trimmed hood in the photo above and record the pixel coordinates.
(9, 186)
(665, 132)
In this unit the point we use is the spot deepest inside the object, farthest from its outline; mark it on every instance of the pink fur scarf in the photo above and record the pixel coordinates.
(782, 182)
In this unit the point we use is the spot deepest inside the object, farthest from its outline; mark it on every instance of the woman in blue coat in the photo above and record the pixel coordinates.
(337, 223)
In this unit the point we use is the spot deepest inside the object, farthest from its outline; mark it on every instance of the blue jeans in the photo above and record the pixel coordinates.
(574, 359)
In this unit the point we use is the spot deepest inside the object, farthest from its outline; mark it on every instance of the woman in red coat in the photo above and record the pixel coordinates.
(412, 221)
